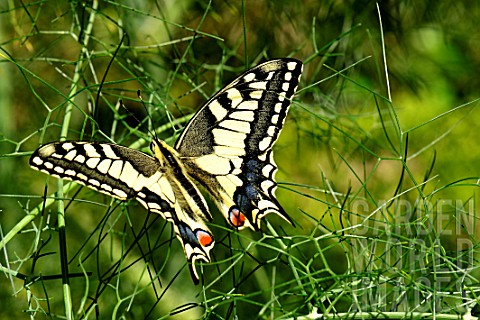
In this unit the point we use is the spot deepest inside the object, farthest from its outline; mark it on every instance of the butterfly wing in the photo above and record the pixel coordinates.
(227, 145)
(125, 173)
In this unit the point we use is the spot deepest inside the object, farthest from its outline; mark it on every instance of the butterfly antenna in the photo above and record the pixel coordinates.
(140, 122)
(152, 133)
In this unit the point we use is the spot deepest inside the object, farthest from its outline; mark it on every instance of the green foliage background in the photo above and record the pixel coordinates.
(378, 161)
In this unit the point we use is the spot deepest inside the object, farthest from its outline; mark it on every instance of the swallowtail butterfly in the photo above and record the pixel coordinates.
(226, 147)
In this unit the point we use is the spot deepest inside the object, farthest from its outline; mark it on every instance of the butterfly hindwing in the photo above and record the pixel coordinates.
(227, 145)
(124, 173)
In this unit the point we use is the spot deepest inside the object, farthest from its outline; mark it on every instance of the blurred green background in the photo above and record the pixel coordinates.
(385, 114)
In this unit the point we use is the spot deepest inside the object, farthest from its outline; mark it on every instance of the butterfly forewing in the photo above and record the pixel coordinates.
(227, 144)
(112, 169)
(125, 173)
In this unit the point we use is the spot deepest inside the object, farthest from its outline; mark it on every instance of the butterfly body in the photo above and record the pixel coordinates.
(226, 147)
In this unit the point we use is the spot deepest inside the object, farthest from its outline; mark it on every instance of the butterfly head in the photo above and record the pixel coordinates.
(156, 147)
(164, 153)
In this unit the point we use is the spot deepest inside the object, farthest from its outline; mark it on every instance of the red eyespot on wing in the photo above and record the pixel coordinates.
(204, 238)
(237, 218)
